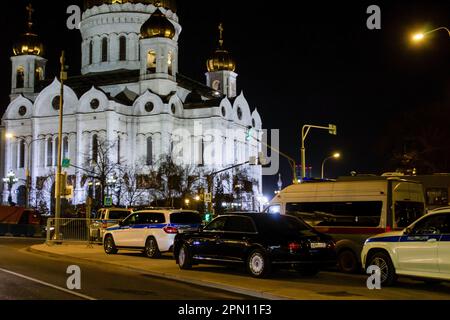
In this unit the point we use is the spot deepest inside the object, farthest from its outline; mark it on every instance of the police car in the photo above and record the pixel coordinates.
(421, 251)
(150, 231)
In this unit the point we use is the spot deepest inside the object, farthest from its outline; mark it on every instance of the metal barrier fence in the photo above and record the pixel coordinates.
(77, 230)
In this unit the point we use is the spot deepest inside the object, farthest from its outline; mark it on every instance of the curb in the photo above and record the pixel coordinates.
(202, 283)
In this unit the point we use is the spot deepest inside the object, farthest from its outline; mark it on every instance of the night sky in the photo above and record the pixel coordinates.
(314, 63)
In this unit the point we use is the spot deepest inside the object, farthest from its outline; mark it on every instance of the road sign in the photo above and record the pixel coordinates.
(208, 197)
(66, 163)
(108, 201)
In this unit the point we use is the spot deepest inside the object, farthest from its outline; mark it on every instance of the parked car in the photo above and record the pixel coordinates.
(150, 231)
(422, 250)
(258, 241)
(104, 219)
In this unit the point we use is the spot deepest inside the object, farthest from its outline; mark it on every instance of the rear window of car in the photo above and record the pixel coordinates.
(185, 218)
(118, 215)
(282, 225)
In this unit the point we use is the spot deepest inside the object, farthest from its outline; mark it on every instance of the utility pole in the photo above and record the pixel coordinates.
(63, 77)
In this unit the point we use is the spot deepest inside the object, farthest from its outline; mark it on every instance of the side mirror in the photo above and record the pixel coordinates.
(407, 231)
(121, 223)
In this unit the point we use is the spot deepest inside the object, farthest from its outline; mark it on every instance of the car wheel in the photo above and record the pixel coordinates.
(184, 258)
(347, 262)
(109, 245)
(384, 262)
(308, 271)
(151, 248)
(258, 264)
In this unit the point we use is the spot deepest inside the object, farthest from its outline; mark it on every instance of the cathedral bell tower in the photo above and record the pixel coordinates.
(158, 54)
(28, 65)
(221, 66)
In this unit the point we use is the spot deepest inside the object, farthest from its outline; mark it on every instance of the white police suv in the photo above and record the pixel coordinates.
(421, 251)
(150, 231)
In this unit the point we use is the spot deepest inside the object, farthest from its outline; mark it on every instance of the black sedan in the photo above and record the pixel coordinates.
(258, 241)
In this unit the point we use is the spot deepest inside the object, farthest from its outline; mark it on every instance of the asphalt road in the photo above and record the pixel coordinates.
(28, 276)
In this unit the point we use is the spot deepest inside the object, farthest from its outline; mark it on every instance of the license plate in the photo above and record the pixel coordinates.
(318, 245)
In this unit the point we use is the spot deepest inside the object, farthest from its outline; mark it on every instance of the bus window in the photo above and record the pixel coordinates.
(338, 214)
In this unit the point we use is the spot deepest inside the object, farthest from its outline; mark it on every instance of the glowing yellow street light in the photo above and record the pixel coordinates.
(421, 35)
(335, 156)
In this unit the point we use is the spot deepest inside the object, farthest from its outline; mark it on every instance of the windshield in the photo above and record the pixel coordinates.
(118, 215)
(407, 212)
(283, 225)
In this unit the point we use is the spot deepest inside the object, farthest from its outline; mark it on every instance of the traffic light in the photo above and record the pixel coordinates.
(249, 134)
(208, 217)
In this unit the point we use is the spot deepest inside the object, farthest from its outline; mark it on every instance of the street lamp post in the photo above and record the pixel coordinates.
(332, 129)
(334, 156)
(420, 36)
(62, 78)
(11, 180)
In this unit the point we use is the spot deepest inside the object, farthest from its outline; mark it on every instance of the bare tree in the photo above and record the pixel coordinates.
(100, 165)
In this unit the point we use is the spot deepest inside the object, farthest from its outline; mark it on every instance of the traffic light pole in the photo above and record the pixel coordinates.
(210, 181)
(63, 77)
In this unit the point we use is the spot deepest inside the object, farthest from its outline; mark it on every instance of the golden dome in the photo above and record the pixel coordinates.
(158, 26)
(168, 4)
(28, 43)
(221, 59)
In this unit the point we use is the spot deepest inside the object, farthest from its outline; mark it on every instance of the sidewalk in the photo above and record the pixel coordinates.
(281, 287)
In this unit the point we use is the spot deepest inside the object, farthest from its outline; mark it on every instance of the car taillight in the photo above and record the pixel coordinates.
(294, 246)
(104, 225)
(170, 230)
(388, 229)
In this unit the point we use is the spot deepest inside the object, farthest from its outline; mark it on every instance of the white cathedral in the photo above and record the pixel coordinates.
(130, 93)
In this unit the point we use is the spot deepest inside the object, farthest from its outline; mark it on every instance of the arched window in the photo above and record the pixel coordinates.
(149, 151)
(20, 78)
(38, 75)
(95, 149)
(119, 145)
(151, 61)
(21, 154)
(91, 52)
(201, 153)
(66, 148)
(122, 48)
(170, 63)
(104, 49)
(49, 152)
(55, 156)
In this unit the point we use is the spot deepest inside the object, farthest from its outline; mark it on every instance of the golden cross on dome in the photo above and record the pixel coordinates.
(30, 10)
(221, 34)
(158, 4)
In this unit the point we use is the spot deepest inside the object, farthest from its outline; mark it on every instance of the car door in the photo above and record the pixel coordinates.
(147, 223)
(238, 235)
(417, 251)
(444, 248)
(124, 234)
(205, 245)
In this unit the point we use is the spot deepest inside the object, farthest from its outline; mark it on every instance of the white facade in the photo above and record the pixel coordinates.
(125, 102)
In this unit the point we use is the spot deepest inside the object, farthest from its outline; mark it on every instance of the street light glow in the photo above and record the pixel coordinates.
(9, 136)
(418, 37)
(337, 155)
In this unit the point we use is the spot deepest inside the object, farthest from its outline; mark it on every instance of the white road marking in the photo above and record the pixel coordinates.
(79, 295)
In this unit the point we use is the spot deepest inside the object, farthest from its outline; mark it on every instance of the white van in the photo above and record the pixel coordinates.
(352, 209)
